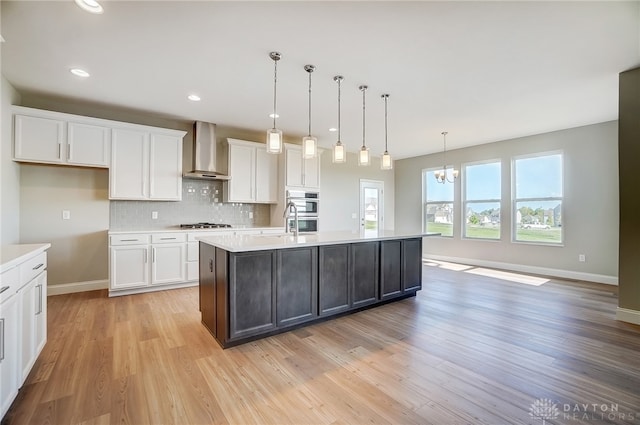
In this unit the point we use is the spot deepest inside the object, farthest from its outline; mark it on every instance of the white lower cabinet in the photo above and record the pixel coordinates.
(10, 370)
(139, 262)
(23, 320)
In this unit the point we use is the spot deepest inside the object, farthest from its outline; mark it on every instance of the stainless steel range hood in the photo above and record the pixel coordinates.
(205, 153)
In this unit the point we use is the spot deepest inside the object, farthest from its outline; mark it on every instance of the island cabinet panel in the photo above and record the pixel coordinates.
(363, 266)
(390, 269)
(297, 285)
(333, 282)
(252, 294)
(208, 287)
(411, 264)
(222, 294)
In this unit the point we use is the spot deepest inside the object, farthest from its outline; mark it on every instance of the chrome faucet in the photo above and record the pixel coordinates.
(287, 211)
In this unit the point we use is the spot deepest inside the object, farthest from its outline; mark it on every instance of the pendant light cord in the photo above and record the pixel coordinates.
(364, 89)
(275, 82)
(339, 82)
(309, 103)
(385, 124)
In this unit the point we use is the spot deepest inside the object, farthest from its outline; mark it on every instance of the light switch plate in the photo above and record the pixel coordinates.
(66, 215)
(154, 215)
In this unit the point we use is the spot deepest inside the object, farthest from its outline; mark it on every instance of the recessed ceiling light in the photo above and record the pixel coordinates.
(271, 115)
(79, 72)
(194, 97)
(332, 129)
(91, 6)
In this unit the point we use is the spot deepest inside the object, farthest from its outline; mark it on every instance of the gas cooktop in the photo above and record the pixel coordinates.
(205, 226)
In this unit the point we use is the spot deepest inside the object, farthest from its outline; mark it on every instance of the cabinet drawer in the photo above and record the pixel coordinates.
(130, 239)
(9, 283)
(32, 267)
(168, 237)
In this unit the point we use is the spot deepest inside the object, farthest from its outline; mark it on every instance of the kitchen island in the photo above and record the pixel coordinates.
(256, 286)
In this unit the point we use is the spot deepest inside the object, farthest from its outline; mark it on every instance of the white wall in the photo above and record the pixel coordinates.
(590, 208)
(340, 192)
(10, 174)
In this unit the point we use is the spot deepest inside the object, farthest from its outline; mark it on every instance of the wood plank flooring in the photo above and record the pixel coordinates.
(469, 349)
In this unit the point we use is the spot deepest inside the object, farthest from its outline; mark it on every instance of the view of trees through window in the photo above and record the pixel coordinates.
(482, 200)
(438, 207)
(538, 199)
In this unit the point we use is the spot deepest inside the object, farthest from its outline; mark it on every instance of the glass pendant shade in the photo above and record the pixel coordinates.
(339, 154)
(363, 156)
(386, 163)
(274, 140)
(309, 147)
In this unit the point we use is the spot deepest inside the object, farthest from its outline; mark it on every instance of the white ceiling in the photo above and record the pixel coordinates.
(484, 71)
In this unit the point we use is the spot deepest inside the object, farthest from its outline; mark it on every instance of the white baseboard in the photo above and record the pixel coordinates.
(627, 315)
(142, 290)
(544, 271)
(70, 288)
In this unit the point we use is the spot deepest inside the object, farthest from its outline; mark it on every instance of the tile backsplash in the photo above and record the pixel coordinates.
(201, 202)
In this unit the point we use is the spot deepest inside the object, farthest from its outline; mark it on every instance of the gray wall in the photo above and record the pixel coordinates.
(590, 208)
(10, 171)
(629, 143)
(340, 192)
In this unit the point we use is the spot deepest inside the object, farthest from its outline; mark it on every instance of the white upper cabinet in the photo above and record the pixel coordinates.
(56, 138)
(146, 165)
(253, 172)
(300, 172)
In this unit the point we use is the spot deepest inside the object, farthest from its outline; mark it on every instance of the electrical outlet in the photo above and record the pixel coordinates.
(154, 215)
(354, 215)
(250, 214)
(582, 258)
(66, 215)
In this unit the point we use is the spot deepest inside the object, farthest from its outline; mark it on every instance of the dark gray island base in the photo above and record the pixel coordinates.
(250, 294)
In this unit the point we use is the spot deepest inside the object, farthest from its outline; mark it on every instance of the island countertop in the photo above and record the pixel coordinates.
(247, 243)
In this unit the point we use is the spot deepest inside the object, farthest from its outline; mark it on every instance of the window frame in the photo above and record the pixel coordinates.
(515, 200)
(425, 174)
(465, 201)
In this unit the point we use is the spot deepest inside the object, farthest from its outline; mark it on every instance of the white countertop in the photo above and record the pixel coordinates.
(243, 243)
(173, 229)
(12, 255)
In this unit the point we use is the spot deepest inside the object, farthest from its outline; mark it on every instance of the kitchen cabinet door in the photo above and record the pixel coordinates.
(38, 139)
(10, 370)
(266, 176)
(252, 293)
(293, 167)
(165, 167)
(33, 321)
(363, 267)
(390, 269)
(168, 263)
(311, 176)
(129, 266)
(297, 285)
(333, 284)
(411, 264)
(129, 172)
(242, 169)
(88, 145)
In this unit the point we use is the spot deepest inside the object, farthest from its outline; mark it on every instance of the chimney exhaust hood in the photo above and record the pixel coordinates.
(205, 153)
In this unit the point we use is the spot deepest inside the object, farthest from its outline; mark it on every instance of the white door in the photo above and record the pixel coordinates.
(371, 206)
(165, 167)
(311, 177)
(293, 167)
(242, 165)
(266, 176)
(169, 263)
(129, 266)
(129, 172)
(88, 144)
(39, 139)
(10, 370)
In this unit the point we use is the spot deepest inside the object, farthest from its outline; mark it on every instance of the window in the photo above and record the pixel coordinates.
(482, 194)
(438, 205)
(538, 198)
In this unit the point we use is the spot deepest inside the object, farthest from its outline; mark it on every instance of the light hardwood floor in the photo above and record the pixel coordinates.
(468, 349)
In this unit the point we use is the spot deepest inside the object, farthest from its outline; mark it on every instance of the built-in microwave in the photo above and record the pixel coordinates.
(305, 224)
(306, 202)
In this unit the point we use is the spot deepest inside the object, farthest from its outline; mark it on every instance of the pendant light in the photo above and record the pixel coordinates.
(339, 154)
(386, 162)
(363, 156)
(274, 136)
(442, 175)
(309, 143)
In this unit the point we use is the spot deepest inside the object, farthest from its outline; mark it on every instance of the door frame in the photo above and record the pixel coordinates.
(378, 184)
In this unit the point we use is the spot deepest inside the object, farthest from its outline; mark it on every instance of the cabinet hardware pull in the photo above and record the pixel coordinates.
(59, 151)
(4, 288)
(146, 255)
(38, 266)
(1, 339)
(39, 299)
(153, 254)
(128, 240)
(167, 239)
(68, 152)
(211, 265)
